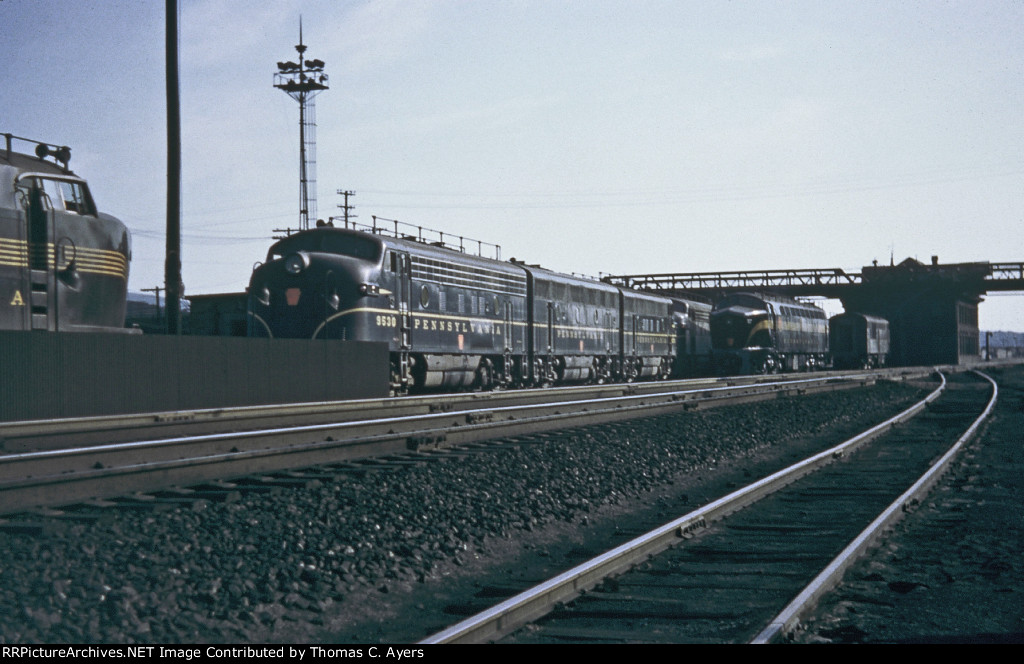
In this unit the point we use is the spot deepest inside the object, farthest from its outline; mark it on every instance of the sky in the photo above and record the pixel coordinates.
(596, 137)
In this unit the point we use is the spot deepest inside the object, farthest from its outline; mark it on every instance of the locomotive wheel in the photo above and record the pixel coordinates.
(631, 372)
(483, 376)
(395, 387)
(548, 375)
(540, 373)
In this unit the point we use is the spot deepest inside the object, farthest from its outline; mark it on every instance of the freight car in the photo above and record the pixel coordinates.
(456, 320)
(858, 341)
(63, 264)
(766, 334)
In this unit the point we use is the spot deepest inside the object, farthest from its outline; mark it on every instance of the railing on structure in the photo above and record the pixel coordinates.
(1005, 276)
(754, 279)
(436, 238)
(830, 282)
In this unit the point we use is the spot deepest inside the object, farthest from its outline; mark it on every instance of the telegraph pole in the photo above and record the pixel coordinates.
(346, 208)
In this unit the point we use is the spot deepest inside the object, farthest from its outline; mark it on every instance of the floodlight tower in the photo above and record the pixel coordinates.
(303, 81)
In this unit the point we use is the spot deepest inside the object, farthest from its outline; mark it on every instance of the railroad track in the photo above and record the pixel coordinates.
(37, 435)
(745, 568)
(40, 467)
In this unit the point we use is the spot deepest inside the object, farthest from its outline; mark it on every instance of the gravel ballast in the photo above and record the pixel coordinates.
(348, 559)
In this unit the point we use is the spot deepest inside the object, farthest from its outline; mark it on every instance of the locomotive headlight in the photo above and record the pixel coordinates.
(369, 289)
(296, 263)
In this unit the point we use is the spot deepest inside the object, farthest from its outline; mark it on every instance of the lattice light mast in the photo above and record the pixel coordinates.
(303, 81)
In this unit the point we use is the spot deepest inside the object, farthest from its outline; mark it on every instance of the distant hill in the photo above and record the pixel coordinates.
(1003, 339)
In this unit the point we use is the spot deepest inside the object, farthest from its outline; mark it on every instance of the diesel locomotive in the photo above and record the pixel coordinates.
(753, 334)
(63, 264)
(692, 320)
(452, 319)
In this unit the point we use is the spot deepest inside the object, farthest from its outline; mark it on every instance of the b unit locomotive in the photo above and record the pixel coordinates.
(755, 334)
(63, 264)
(693, 337)
(452, 319)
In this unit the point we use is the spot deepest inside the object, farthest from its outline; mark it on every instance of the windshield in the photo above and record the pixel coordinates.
(356, 246)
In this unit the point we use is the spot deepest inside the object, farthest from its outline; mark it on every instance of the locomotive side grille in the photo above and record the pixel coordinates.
(425, 269)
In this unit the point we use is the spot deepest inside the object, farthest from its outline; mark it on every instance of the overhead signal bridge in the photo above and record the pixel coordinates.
(932, 309)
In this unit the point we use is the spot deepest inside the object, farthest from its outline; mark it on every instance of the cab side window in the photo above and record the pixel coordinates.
(75, 198)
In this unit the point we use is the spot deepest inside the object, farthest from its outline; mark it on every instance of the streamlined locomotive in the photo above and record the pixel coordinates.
(452, 319)
(63, 264)
(755, 334)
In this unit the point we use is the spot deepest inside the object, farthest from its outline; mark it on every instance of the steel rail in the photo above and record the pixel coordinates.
(789, 618)
(535, 602)
(53, 477)
(55, 434)
(675, 395)
(233, 415)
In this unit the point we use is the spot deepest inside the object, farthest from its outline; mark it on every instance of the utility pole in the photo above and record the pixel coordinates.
(172, 262)
(346, 208)
(155, 289)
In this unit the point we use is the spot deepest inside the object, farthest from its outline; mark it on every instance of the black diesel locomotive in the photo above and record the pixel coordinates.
(693, 337)
(766, 334)
(63, 264)
(452, 319)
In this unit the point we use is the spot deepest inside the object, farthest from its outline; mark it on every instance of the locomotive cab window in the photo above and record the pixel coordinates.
(61, 194)
(74, 197)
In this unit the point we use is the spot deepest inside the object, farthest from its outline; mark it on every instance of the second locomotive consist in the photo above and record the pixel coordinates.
(454, 320)
(764, 334)
(63, 264)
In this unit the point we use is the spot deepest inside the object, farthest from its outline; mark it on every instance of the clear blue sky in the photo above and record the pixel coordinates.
(590, 136)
